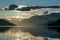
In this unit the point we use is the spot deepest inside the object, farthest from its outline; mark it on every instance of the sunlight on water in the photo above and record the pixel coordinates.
(17, 39)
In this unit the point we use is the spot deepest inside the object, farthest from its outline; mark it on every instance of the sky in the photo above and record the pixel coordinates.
(4, 3)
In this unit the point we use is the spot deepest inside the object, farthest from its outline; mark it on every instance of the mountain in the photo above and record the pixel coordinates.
(38, 25)
(5, 25)
(43, 19)
(55, 25)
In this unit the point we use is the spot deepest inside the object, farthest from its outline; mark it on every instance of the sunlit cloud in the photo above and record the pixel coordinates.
(20, 6)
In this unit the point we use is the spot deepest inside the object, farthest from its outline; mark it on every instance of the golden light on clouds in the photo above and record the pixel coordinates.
(9, 19)
(17, 16)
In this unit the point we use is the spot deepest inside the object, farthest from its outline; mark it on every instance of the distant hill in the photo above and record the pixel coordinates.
(5, 25)
(55, 25)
